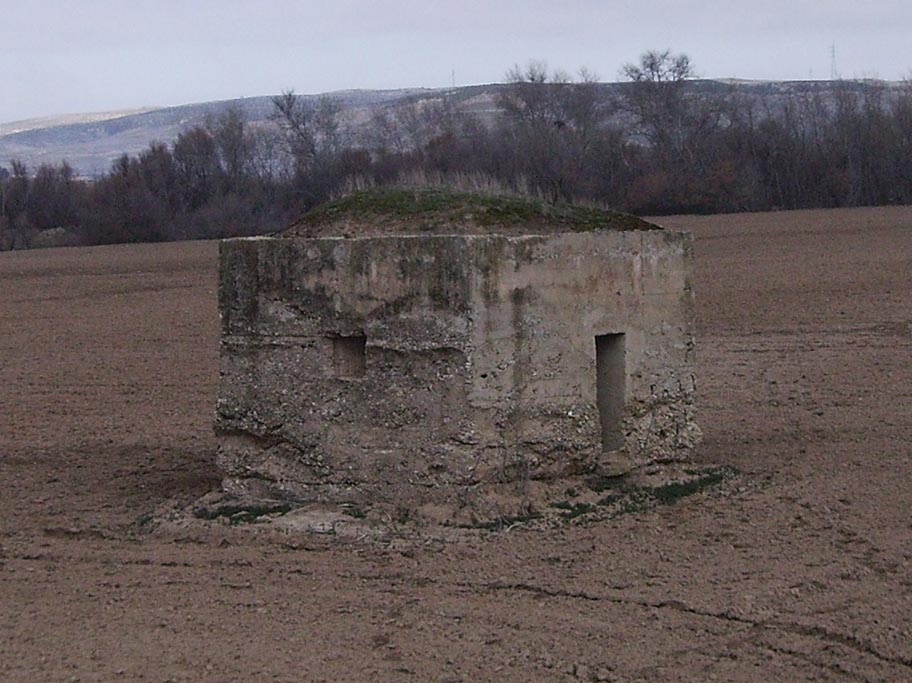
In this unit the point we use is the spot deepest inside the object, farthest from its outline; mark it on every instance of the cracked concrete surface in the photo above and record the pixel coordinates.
(477, 363)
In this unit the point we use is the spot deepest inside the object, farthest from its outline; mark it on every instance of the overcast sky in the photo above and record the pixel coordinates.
(67, 56)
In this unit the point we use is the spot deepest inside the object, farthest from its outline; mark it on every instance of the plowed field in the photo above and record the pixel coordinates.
(108, 368)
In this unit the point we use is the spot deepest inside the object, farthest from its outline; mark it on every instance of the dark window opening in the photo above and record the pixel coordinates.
(349, 356)
(610, 381)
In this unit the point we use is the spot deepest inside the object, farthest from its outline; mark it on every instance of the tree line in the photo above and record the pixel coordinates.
(663, 143)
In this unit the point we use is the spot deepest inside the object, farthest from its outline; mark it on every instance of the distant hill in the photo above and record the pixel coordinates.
(90, 142)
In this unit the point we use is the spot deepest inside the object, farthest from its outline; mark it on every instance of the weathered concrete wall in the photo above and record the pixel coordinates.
(479, 362)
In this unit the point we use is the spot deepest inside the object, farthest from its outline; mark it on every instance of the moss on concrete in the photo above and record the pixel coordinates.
(439, 211)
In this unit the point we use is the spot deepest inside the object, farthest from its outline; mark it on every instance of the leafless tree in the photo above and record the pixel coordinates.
(196, 158)
(530, 97)
(294, 117)
(327, 122)
(234, 143)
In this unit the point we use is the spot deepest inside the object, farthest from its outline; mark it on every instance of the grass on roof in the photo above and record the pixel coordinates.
(433, 209)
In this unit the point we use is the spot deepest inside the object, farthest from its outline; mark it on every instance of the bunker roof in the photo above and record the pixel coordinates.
(436, 211)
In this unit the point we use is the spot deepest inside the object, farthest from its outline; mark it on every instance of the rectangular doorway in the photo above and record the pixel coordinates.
(610, 381)
(349, 357)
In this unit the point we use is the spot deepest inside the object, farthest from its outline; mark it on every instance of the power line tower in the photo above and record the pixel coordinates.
(834, 72)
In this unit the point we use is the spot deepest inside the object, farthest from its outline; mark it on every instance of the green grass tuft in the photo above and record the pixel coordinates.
(243, 513)
(668, 494)
(573, 510)
(604, 482)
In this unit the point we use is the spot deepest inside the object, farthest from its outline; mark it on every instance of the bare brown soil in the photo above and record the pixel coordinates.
(107, 384)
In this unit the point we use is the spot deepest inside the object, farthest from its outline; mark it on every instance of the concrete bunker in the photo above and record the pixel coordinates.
(427, 349)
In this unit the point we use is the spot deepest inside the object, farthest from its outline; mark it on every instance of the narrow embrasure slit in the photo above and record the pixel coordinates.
(610, 387)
